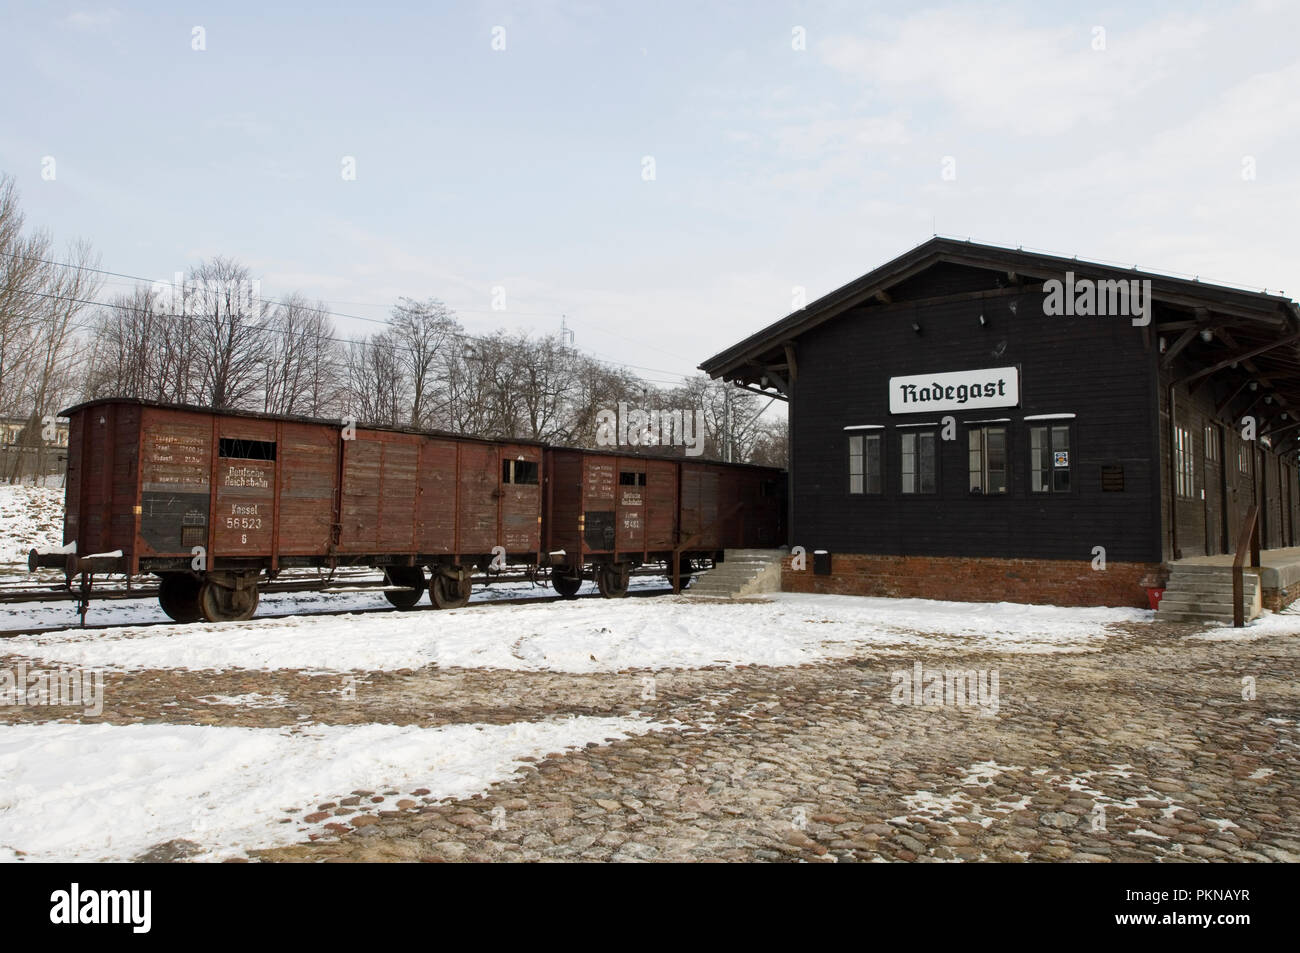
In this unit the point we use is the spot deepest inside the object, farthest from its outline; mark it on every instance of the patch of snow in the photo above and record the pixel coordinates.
(587, 636)
(31, 517)
(251, 700)
(1267, 624)
(73, 792)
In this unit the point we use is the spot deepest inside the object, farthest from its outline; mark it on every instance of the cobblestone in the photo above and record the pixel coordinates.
(1141, 751)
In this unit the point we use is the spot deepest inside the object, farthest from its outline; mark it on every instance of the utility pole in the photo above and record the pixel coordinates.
(726, 421)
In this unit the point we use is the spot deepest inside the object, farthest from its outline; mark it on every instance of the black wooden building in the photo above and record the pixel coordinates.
(976, 422)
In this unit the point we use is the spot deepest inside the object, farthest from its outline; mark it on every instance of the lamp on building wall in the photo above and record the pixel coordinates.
(916, 327)
(983, 320)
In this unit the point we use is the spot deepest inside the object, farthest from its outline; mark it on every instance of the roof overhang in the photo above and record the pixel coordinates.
(765, 361)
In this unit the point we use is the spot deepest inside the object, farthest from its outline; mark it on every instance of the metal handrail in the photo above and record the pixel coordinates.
(1249, 536)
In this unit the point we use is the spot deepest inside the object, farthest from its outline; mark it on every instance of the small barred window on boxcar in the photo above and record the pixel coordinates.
(631, 479)
(246, 449)
(519, 472)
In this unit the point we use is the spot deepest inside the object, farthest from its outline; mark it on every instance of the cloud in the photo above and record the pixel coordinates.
(822, 136)
(995, 73)
(89, 21)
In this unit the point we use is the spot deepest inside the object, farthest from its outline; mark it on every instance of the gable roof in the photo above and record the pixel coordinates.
(742, 362)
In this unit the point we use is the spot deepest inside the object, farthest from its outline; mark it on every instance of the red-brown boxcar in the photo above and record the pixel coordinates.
(613, 512)
(210, 501)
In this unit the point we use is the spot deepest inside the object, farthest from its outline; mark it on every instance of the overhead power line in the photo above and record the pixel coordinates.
(365, 342)
(335, 314)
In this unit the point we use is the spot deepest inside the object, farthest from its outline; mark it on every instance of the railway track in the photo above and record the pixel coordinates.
(549, 596)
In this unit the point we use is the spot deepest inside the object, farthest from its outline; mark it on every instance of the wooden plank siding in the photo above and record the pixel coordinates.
(1210, 519)
(1096, 368)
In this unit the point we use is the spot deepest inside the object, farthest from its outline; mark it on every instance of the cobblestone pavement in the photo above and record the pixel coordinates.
(1143, 751)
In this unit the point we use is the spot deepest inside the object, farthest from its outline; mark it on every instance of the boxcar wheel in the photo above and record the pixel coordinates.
(566, 585)
(448, 593)
(412, 576)
(219, 604)
(612, 580)
(178, 595)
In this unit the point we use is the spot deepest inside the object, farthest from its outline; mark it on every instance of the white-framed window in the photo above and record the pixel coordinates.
(1184, 463)
(987, 448)
(918, 461)
(1049, 458)
(865, 463)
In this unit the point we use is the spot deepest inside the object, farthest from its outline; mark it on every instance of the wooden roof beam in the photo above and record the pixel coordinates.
(1263, 379)
(1223, 404)
(791, 363)
(763, 393)
(1239, 358)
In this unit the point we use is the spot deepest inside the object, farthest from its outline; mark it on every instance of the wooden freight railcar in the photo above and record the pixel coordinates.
(610, 513)
(212, 502)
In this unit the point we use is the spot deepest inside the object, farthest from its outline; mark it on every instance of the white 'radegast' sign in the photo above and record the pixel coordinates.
(956, 390)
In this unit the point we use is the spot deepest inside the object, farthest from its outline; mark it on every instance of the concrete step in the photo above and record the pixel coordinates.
(1248, 584)
(1209, 582)
(1209, 576)
(1193, 617)
(1185, 601)
(1218, 610)
(741, 572)
(1193, 572)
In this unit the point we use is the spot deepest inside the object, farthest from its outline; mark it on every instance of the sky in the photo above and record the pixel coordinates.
(662, 177)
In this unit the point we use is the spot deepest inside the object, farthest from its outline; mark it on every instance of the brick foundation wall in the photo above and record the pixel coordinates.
(1274, 600)
(1042, 581)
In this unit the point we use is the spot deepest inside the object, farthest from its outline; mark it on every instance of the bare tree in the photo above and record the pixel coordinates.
(300, 359)
(376, 389)
(772, 448)
(598, 386)
(731, 415)
(481, 397)
(544, 373)
(40, 301)
(125, 348)
(229, 317)
(55, 355)
(423, 332)
(24, 281)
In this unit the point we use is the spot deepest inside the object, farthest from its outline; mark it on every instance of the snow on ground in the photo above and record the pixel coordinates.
(249, 700)
(111, 792)
(1286, 622)
(587, 636)
(30, 517)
